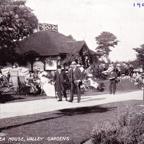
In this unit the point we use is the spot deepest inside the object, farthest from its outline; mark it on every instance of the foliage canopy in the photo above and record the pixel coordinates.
(105, 40)
(16, 23)
(140, 54)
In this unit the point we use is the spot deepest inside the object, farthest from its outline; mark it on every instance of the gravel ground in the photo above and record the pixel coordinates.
(124, 86)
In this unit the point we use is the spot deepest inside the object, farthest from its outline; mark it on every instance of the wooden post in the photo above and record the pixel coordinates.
(143, 83)
(143, 94)
(143, 86)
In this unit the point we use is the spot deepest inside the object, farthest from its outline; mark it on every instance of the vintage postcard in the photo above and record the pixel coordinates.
(71, 71)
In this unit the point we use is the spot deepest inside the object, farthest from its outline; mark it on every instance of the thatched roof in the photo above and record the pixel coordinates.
(48, 43)
(75, 46)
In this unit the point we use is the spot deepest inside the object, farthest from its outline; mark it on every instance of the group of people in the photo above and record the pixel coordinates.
(22, 81)
(138, 79)
(116, 72)
(72, 79)
(58, 82)
(51, 83)
(13, 77)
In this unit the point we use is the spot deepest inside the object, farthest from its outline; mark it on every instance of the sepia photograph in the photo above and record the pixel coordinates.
(71, 72)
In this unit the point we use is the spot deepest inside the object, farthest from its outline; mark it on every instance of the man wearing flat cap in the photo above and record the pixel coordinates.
(75, 77)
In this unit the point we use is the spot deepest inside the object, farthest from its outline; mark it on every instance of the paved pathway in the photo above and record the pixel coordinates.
(8, 110)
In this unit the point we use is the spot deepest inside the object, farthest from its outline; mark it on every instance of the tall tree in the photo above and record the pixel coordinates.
(140, 55)
(16, 22)
(105, 41)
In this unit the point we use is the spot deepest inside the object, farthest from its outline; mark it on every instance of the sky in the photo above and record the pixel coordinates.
(87, 19)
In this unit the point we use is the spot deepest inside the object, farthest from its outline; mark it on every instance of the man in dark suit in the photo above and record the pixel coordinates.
(113, 80)
(59, 80)
(65, 82)
(75, 77)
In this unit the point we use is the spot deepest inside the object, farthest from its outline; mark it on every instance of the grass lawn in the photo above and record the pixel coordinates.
(76, 123)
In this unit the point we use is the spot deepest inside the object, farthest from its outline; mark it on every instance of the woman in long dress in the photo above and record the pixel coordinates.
(14, 77)
(46, 83)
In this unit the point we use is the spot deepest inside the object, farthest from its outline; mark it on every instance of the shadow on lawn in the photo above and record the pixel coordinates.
(84, 110)
(62, 113)
(27, 123)
(7, 97)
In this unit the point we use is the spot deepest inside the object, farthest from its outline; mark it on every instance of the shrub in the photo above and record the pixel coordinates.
(128, 128)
